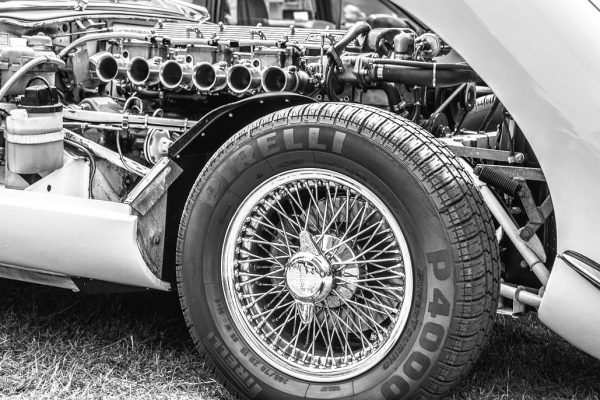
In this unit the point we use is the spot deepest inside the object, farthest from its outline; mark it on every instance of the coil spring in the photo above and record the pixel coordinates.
(499, 181)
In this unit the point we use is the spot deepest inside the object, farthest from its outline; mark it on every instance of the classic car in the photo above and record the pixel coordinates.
(342, 207)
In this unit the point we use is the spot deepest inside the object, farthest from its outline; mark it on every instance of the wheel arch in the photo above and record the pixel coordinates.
(194, 148)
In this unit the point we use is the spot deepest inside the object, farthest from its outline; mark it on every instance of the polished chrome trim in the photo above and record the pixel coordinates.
(587, 268)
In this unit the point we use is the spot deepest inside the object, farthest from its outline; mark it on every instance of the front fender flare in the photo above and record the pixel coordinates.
(208, 134)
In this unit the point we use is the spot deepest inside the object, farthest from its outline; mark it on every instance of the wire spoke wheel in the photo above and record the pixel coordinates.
(317, 274)
(337, 251)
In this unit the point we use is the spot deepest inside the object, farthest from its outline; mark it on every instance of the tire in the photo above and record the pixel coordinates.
(407, 325)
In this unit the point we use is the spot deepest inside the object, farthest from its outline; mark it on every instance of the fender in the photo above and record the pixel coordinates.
(218, 125)
(515, 60)
(194, 148)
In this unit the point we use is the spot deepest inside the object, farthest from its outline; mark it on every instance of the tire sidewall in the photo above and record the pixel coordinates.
(250, 161)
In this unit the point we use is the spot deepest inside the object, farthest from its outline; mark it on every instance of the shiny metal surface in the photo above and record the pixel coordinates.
(317, 275)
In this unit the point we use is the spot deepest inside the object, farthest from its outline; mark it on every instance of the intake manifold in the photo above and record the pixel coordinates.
(209, 77)
(244, 78)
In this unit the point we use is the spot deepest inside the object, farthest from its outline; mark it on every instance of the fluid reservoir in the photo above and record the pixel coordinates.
(34, 136)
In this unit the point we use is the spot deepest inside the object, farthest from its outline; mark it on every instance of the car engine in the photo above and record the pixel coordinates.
(135, 89)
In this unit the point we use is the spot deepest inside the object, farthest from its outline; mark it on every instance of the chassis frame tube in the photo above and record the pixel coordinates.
(510, 228)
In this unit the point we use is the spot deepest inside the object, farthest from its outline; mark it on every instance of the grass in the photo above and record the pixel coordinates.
(58, 344)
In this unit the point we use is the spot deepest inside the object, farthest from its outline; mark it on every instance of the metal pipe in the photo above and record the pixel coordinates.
(209, 77)
(108, 155)
(100, 36)
(421, 64)
(130, 120)
(243, 78)
(520, 294)
(450, 98)
(510, 228)
(26, 68)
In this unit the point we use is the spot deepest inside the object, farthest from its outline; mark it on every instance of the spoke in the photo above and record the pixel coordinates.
(367, 288)
(315, 201)
(325, 216)
(365, 251)
(271, 226)
(385, 278)
(378, 303)
(301, 208)
(284, 233)
(360, 333)
(375, 233)
(272, 259)
(261, 245)
(296, 336)
(324, 231)
(365, 306)
(345, 241)
(291, 221)
(270, 312)
(341, 338)
(262, 296)
(384, 250)
(289, 312)
(384, 268)
(374, 324)
(287, 242)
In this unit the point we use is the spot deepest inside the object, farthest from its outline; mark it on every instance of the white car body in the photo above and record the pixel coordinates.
(542, 59)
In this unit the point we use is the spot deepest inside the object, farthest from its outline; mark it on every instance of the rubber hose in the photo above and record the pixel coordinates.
(425, 77)
(392, 93)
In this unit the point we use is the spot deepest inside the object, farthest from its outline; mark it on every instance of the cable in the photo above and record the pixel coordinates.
(329, 76)
(127, 167)
(92, 164)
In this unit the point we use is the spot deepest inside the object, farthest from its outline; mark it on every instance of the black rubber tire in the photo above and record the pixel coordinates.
(448, 229)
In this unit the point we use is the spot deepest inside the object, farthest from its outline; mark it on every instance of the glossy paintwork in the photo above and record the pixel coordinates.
(542, 58)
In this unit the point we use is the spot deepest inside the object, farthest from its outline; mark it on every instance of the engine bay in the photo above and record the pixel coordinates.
(90, 107)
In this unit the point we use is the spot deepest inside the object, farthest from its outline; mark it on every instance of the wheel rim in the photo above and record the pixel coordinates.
(317, 275)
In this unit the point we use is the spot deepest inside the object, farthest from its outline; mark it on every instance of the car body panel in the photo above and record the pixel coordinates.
(542, 59)
(97, 239)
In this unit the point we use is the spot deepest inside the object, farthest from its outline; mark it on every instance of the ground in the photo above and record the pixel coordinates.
(58, 344)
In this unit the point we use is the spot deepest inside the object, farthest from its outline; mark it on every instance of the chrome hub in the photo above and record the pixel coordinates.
(308, 277)
(317, 275)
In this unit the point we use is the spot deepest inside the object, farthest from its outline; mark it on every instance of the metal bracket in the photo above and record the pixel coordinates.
(153, 185)
(486, 154)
